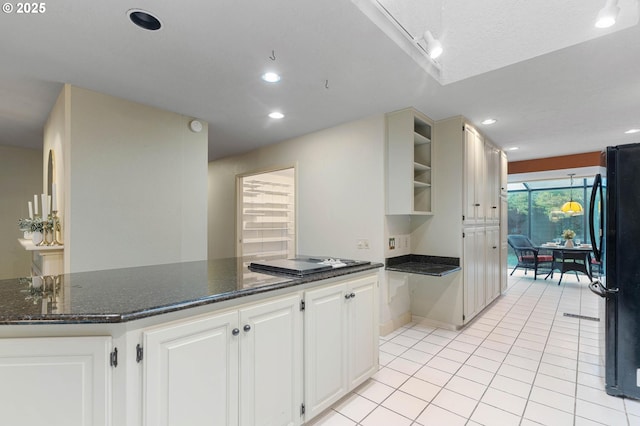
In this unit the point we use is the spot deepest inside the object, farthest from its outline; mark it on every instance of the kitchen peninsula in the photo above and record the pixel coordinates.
(237, 346)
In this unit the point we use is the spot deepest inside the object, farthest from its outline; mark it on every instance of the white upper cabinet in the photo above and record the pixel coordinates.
(474, 202)
(409, 165)
(504, 170)
(492, 184)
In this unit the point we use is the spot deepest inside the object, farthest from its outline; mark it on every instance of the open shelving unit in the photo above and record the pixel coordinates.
(409, 166)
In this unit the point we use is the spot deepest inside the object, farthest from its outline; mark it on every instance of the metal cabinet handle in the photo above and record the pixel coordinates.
(247, 327)
(494, 207)
(352, 295)
(235, 331)
(477, 204)
(347, 296)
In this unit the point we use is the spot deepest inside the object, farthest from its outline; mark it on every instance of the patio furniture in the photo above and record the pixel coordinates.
(576, 259)
(528, 255)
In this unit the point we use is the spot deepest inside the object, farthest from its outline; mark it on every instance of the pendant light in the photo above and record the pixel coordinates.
(572, 208)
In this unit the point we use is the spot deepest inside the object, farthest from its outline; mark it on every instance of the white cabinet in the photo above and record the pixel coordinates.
(473, 207)
(493, 276)
(504, 170)
(271, 363)
(481, 269)
(492, 184)
(56, 381)
(341, 341)
(409, 163)
(191, 372)
(473, 267)
(240, 367)
(504, 246)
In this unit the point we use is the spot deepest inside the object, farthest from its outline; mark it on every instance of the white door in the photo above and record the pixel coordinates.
(57, 381)
(363, 330)
(271, 363)
(325, 347)
(191, 372)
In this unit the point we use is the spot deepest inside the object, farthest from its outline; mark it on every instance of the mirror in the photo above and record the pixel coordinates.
(51, 172)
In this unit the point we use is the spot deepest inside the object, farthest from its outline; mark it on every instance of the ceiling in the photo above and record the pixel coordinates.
(565, 88)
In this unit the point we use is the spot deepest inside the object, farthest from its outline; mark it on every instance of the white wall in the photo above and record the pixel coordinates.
(340, 190)
(135, 186)
(20, 178)
(340, 195)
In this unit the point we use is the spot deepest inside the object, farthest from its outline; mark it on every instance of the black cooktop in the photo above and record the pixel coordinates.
(302, 266)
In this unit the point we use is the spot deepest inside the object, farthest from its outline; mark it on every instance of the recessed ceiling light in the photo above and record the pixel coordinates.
(632, 131)
(276, 115)
(489, 121)
(513, 148)
(271, 77)
(144, 19)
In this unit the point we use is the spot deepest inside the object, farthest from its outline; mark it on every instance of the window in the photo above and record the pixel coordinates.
(266, 215)
(534, 209)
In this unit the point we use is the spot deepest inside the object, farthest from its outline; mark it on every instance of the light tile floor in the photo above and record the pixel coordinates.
(521, 362)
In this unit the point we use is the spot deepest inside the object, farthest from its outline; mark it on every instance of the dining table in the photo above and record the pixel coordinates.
(569, 259)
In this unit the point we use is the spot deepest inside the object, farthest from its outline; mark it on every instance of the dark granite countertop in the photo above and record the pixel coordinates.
(121, 295)
(423, 264)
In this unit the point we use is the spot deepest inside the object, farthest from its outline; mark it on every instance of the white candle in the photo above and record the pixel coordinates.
(48, 205)
(44, 206)
(35, 204)
(54, 201)
(30, 210)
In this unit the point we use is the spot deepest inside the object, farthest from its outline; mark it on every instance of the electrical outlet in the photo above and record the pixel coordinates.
(363, 244)
(392, 243)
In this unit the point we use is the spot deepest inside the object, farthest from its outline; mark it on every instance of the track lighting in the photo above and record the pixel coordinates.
(434, 47)
(608, 14)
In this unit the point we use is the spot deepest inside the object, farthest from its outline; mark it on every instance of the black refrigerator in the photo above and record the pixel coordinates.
(614, 218)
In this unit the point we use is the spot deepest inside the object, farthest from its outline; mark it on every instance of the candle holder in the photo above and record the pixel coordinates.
(45, 233)
(57, 229)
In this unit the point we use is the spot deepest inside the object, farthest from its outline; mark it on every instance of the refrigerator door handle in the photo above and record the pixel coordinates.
(597, 288)
(596, 241)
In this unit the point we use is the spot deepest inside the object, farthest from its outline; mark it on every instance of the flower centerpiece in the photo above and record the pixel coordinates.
(568, 235)
(36, 227)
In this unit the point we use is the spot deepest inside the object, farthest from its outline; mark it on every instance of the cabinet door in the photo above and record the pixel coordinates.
(56, 381)
(363, 330)
(504, 251)
(493, 263)
(271, 363)
(470, 268)
(474, 268)
(473, 191)
(492, 184)
(504, 170)
(481, 268)
(325, 347)
(191, 372)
